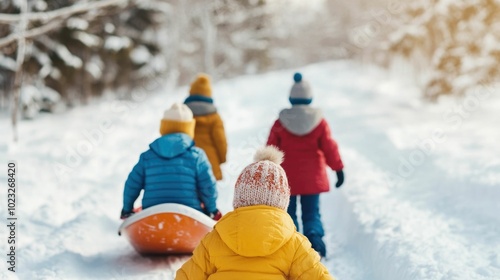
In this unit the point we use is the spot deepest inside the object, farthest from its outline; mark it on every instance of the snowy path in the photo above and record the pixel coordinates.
(440, 222)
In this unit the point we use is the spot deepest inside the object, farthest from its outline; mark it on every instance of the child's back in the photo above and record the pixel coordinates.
(168, 171)
(173, 170)
(209, 132)
(257, 240)
(303, 134)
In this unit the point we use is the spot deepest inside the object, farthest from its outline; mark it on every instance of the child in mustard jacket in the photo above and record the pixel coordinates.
(258, 240)
(209, 132)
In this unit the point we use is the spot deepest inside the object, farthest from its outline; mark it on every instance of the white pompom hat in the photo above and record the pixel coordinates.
(178, 119)
(178, 112)
(263, 182)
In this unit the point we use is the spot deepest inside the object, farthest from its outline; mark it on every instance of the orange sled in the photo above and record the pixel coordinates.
(168, 228)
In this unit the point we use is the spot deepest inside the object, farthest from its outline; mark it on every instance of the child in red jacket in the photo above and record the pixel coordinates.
(303, 135)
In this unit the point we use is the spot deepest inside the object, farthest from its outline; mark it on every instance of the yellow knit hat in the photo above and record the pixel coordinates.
(178, 119)
(201, 86)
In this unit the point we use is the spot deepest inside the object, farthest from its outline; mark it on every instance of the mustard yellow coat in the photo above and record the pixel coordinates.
(210, 136)
(251, 243)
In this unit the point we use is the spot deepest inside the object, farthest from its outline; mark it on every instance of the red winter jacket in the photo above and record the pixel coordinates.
(306, 157)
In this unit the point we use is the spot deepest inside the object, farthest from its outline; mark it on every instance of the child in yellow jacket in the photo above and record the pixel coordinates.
(258, 240)
(209, 132)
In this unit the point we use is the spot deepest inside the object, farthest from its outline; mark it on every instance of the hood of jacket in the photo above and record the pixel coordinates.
(300, 119)
(171, 145)
(200, 108)
(255, 231)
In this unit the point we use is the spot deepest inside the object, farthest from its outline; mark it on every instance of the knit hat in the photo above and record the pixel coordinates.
(201, 86)
(300, 94)
(263, 182)
(178, 118)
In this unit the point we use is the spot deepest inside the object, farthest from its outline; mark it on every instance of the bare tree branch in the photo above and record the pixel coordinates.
(31, 33)
(63, 12)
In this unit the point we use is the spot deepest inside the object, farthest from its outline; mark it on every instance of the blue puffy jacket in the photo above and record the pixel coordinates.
(173, 170)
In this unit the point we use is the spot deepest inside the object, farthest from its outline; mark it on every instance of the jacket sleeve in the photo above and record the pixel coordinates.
(274, 138)
(330, 149)
(307, 264)
(198, 267)
(133, 185)
(219, 138)
(205, 182)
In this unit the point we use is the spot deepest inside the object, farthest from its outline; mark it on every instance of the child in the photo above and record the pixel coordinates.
(173, 170)
(303, 134)
(257, 240)
(209, 132)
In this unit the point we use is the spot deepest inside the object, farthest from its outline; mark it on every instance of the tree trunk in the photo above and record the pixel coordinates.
(86, 82)
(210, 31)
(21, 47)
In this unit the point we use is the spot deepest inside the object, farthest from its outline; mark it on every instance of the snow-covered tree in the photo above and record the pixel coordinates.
(82, 49)
(455, 44)
(87, 51)
(220, 37)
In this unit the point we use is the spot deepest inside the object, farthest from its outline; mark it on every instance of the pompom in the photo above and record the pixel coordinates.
(176, 106)
(203, 79)
(270, 153)
(297, 77)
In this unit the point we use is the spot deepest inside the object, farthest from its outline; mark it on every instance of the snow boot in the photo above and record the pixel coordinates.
(318, 245)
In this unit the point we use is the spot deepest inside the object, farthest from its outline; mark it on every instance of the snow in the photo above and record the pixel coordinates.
(140, 55)
(44, 60)
(87, 39)
(7, 63)
(36, 98)
(420, 199)
(77, 23)
(68, 58)
(30, 101)
(116, 43)
(95, 67)
(94, 70)
(55, 74)
(41, 5)
(109, 27)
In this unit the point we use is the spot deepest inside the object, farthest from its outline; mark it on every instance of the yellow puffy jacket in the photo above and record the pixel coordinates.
(254, 242)
(210, 136)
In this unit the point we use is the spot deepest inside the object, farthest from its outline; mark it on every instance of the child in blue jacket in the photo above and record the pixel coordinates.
(173, 170)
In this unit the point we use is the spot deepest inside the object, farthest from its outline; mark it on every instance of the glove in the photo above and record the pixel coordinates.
(216, 215)
(125, 214)
(340, 178)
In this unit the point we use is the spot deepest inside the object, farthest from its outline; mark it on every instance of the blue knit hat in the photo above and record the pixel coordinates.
(300, 94)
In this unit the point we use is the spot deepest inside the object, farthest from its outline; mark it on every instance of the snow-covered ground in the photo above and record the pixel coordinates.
(420, 199)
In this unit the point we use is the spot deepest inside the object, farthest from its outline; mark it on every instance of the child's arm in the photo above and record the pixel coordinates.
(307, 264)
(205, 182)
(274, 139)
(330, 149)
(219, 138)
(198, 266)
(133, 186)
